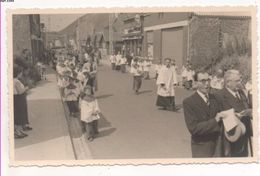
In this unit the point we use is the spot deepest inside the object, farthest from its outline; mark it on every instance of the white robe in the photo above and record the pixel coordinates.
(118, 59)
(147, 65)
(168, 77)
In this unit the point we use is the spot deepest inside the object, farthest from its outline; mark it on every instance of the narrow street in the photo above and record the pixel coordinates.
(132, 126)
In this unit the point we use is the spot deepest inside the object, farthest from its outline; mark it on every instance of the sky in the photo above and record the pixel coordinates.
(57, 22)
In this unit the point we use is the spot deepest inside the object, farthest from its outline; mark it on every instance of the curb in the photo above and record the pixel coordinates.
(77, 135)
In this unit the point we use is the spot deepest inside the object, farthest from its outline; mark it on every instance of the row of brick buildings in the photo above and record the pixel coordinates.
(178, 35)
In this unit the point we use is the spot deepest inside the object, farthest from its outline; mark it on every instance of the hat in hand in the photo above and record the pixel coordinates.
(234, 134)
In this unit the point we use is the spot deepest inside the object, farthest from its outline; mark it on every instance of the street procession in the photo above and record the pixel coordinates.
(133, 86)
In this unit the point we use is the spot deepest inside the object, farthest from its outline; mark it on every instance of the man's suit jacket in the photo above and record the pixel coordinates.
(228, 101)
(200, 121)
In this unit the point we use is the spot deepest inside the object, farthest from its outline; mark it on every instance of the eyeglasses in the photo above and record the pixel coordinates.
(204, 81)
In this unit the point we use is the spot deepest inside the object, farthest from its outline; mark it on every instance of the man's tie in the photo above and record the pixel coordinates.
(238, 96)
(207, 99)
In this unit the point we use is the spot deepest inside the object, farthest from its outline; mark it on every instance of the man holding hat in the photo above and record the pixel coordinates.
(202, 117)
(236, 140)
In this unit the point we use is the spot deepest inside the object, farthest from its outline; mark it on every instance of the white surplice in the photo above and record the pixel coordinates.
(168, 77)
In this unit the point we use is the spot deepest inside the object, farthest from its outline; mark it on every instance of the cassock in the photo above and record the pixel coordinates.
(167, 78)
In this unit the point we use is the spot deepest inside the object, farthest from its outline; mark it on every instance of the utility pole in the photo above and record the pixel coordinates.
(77, 35)
(110, 33)
(48, 29)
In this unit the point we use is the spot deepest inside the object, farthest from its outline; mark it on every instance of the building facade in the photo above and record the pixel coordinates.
(132, 34)
(198, 38)
(166, 35)
(28, 35)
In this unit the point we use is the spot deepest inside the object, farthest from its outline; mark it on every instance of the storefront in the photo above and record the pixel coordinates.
(132, 44)
(133, 34)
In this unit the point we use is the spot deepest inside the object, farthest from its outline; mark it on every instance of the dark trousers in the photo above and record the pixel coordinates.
(137, 83)
(146, 75)
(113, 66)
(72, 105)
(92, 128)
(123, 68)
(203, 149)
(90, 83)
(118, 67)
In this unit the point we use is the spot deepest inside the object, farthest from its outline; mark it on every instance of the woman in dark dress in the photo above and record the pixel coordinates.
(21, 122)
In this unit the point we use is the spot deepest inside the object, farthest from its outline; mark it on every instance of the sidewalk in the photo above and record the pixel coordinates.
(49, 139)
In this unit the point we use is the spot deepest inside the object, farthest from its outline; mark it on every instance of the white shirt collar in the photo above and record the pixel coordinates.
(203, 96)
(232, 92)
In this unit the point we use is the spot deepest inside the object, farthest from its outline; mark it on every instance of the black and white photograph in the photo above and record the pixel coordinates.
(155, 86)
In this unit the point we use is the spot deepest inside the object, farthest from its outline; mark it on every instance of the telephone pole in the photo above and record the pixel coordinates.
(110, 33)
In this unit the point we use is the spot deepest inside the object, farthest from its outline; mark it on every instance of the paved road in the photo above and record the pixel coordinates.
(49, 139)
(131, 126)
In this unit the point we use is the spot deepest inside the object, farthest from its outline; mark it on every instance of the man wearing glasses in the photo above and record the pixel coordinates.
(202, 117)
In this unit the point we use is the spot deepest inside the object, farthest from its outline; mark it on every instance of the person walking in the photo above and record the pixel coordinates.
(89, 114)
(123, 63)
(71, 93)
(113, 61)
(167, 80)
(91, 68)
(189, 78)
(118, 60)
(147, 65)
(158, 66)
(137, 72)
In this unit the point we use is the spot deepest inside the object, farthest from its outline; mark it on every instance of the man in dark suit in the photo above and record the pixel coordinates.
(201, 111)
(233, 97)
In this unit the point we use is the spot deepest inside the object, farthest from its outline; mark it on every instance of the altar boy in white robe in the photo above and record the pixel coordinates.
(167, 80)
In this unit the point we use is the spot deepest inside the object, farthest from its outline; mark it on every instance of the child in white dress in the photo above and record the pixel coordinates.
(89, 112)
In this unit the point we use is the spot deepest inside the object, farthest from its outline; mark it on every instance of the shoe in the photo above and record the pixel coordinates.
(175, 109)
(90, 139)
(27, 128)
(20, 136)
(162, 108)
(16, 136)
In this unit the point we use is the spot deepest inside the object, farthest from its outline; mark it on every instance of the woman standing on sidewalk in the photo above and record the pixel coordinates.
(20, 106)
(89, 112)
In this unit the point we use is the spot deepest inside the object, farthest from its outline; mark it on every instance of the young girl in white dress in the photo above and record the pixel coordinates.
(89, 112)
